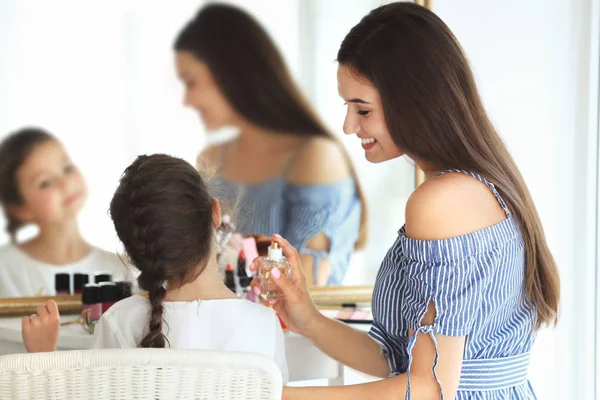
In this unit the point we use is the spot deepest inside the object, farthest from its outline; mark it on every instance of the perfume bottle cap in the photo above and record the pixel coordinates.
(275, 252)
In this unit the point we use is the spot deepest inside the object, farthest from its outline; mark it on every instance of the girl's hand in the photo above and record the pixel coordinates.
(296, 309)
(40, 330)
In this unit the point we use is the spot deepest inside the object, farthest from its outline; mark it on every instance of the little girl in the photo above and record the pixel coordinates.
(39, 184)
(166, 219)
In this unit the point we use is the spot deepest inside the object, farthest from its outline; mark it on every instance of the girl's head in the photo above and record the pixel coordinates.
(232, 71)
(409, 87)
(38, 181)
(165, 218)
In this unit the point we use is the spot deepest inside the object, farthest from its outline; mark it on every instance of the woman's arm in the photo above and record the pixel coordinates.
(386, 389)
(349, 346)
(423, 385)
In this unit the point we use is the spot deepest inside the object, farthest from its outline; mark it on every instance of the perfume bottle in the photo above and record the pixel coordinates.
(274, 259)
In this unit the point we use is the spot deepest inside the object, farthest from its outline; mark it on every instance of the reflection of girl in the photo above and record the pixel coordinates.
(285, 171)
(39, 184)
(470, 279)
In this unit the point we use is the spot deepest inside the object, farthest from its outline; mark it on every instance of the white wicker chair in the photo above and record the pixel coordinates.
(139, 374)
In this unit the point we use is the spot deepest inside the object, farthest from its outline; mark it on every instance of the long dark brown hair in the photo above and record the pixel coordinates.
(14, 150)
(435, 114)
(253, 76)
(162, 213)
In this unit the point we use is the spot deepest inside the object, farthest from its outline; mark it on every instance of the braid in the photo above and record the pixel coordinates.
(144, 247)
(155, 338)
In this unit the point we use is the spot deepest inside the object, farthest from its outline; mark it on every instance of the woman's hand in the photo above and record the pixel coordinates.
(40, 330)
(296, 309)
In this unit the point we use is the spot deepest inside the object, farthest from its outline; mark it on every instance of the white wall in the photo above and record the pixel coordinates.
(532, 60)
(101, 77)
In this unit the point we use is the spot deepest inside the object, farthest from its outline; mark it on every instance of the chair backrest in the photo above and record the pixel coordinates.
(139, 374)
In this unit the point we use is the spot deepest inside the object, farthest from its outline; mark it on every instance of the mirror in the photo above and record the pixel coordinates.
(101, 78)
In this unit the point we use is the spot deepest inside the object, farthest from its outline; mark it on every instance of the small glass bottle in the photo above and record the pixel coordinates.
(90, 300)
(79, 281)
(102, 277)
(274, 259)
(108, 295)
(62, 284)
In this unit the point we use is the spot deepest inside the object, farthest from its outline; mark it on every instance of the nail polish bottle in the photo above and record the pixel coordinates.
(62, 284)
(79, 281)
(90, 299)
(102, 277)
(108, 295)
(274, 259)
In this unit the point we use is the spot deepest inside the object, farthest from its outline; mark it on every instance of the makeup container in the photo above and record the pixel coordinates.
(91, 300)
(108, 295)
(102, 277)
(62, 284)
(274, 259)
(79, 281)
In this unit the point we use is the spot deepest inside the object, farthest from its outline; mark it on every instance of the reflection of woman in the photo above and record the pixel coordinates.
(470, 278)
(285, 171)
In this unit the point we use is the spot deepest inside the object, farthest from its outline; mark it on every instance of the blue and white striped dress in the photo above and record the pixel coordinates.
(476, 282)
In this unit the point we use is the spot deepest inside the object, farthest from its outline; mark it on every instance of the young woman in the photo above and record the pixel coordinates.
(470, 279)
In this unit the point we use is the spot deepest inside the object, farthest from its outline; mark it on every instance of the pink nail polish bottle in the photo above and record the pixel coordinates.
(108, 295)
(90, 299)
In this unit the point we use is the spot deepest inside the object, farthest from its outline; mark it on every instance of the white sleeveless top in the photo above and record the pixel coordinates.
(227, 325)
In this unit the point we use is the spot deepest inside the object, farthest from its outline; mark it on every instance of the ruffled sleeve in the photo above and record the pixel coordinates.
(453, 274)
